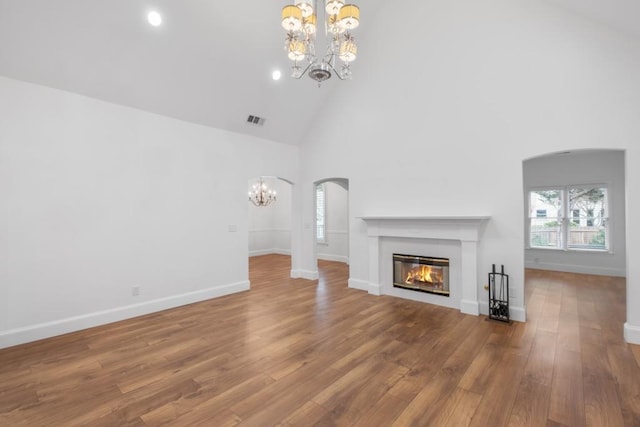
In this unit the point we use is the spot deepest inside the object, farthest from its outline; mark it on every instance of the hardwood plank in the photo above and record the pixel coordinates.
(480, 373)
(532, 401)
(602, 404)
(358, 392)
(458, 409)
(384, 412)
(602, 407)
(198, 408)
(566, 406)
(428, 404)
(531, 405)
(635, 349)
(307, 415)
(542, 358)
(503, 389)
(550, 316)
(627, 380)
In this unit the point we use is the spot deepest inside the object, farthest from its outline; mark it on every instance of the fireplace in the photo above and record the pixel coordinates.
(420, 273)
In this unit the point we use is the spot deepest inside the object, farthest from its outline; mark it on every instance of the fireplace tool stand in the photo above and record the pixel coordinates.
(499, 295)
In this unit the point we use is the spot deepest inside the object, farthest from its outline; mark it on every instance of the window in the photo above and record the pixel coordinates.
(321, 209)
(570, 222)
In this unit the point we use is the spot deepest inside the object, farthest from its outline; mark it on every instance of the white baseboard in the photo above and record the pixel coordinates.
(366, 286)
(72, 324)
(337, 258)
(305, 274)
(469, 307)
(361, 285)
(270, 252)
(631, 334)
(517, 314)
(375, 289)
(580, 269)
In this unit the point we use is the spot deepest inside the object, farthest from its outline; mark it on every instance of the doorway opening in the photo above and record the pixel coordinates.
(331, 227)
(270, 226)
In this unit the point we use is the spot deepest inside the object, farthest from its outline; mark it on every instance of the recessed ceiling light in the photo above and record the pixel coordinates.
(276, 75)
(154, 18)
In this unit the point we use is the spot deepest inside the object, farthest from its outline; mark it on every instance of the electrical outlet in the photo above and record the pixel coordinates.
(135, 291)
(512, 293)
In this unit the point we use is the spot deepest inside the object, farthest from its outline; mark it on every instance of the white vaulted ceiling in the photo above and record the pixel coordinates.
(210, 62)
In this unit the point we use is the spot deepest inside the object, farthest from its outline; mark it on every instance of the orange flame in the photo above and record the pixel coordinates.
(420, 274)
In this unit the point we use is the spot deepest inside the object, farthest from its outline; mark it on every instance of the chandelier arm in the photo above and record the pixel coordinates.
(335, 71)
(304, 72)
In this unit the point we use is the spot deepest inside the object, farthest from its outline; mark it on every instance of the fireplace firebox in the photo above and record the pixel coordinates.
(420, 273)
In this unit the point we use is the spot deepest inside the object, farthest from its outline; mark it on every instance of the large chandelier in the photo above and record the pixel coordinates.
(300, 21)
(260, 195)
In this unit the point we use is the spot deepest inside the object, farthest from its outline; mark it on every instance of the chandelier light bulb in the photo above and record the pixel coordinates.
(333, 6)
(332, 25)
(310, 24)
(291, 18)
(305, 7)
(348, 50)
(349, 17)
(297, 50)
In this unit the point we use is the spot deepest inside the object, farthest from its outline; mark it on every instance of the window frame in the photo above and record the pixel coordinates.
(566, 218)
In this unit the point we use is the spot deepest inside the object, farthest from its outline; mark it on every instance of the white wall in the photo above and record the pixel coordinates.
(441, 123)
(270, 226)
(336, 245)
(97, 198)
(590, 167)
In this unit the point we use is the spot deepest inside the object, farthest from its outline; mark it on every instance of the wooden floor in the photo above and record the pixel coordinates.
(294, 352)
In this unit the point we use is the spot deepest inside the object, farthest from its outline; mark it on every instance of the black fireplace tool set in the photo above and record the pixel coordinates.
(498, 295)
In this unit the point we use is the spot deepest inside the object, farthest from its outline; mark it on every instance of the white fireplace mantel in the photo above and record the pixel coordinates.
(465, 229)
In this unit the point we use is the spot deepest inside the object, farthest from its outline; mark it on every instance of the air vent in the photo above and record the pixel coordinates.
(255, 120)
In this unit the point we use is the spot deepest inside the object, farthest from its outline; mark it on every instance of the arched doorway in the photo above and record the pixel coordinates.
(589, 230)
(331, 219)
(270, 227)
(574, 214)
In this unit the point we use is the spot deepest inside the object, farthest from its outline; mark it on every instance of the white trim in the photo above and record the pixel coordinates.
(580, 269)
(331, 257)
(361, 285)
(305, 274)
(469, 307)
(374, 288)
(631, 334)
(268, 230)
(72, 324)
(337, 232)
(269, 252)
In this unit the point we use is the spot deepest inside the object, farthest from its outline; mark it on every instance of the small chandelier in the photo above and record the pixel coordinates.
(260, 195)
(300, 21)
